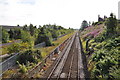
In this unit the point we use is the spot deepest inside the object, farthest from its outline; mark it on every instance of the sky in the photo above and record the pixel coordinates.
(67, 13)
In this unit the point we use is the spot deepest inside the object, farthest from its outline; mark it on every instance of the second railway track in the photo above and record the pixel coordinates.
(67, 64)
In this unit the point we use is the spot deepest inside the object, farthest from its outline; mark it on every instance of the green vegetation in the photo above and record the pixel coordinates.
(107, 58)
(15, 34)
(31, 35)
(84, 25)
(111, 24)
(46, 50)
(32, 56)
(28, 59)
(104, 61)
(14, 48)
(5, 36)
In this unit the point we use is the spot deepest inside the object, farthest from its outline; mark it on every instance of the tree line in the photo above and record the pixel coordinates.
(34, 35)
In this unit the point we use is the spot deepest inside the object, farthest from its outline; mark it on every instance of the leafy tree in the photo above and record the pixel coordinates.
(26, 37)
(25, 27)
(60, 27)
(40, 26)
(55, 27)
(84, 25)
(54, 34)
(17, 33)
(5, 36)
(32, 29)
(18, 25)
(11, 33)
(43, 38)
(111, 24)
(42, 31)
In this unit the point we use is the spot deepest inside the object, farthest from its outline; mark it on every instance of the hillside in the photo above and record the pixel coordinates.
(102, 49)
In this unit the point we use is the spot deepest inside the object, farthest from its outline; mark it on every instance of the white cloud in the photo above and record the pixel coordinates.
(68, 13)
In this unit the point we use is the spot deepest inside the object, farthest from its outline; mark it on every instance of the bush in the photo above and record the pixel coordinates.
(107, 59)
(23, 68)
(99, 55)
(4, 51)
(101, 37)
(14, 48)
(31, 56)
(5, 36)
(100, 45)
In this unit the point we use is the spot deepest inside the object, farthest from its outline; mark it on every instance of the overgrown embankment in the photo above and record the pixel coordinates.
(103, 48)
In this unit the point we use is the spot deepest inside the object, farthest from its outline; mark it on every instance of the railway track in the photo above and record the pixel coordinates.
(55, 72)
(69, 69)
(67, 64)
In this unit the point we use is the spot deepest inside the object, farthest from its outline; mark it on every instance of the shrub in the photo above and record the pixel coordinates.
(23, 68)
(5, 36)
(14, 48)
(107, 59)
(31, 56)
(99, 55)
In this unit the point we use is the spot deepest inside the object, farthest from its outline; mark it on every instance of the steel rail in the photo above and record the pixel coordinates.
(59, 60)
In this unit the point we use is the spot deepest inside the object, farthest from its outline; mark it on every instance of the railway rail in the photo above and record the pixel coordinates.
(69, 64)
(39, 67)
(61, 61)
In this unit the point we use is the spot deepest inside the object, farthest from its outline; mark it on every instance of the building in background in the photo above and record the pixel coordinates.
(10, 27)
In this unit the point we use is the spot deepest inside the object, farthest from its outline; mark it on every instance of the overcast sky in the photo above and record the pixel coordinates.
(67, 13)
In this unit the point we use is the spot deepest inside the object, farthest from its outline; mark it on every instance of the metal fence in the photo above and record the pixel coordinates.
(10, 62)
(7, 64)
(40, 45)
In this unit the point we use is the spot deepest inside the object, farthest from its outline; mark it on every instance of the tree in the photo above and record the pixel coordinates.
(42, 31)
(43, 38)
(84, 25)
(111, 24)
(93, 23)
(40, 26)
(18, 25)
(25, 36)
(17, 33)
(5, 36)
(11, 33)
(89, 23)
(25, 28)
(54, 34)
(32, 29)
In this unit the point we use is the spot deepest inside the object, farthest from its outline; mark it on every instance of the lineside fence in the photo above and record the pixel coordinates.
(10, 62)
